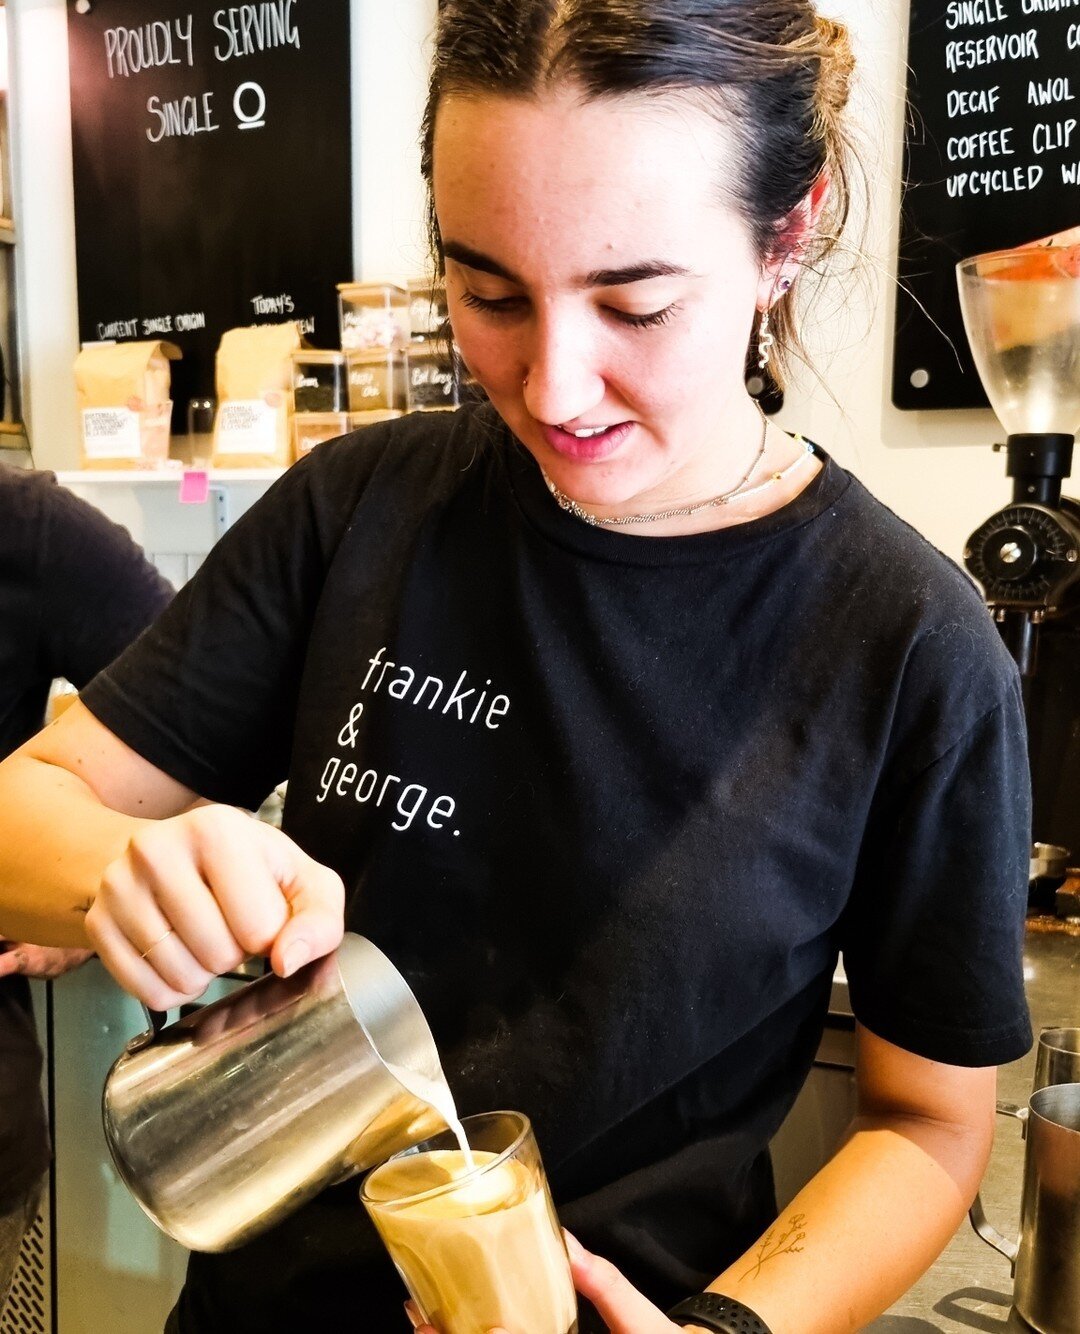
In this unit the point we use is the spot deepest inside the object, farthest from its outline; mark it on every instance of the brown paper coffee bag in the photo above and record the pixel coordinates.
(124, 406)
(254, 389)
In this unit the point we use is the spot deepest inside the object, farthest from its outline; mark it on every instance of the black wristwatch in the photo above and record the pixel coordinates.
(713, 1311)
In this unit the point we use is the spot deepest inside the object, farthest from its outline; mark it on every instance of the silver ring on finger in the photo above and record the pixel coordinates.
(156, 943)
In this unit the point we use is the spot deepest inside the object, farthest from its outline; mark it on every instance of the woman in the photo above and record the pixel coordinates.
(608, 710)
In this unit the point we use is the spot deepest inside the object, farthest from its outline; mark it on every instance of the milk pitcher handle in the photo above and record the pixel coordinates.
(1014, 1110)
(156, 1021)
(977, 1215)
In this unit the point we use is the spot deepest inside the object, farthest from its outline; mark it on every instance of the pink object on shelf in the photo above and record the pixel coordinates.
(195, 486)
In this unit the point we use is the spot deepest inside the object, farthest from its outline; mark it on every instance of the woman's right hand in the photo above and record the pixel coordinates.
(196, 894)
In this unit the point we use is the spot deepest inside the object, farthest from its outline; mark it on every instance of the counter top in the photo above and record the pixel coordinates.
(970, 1286)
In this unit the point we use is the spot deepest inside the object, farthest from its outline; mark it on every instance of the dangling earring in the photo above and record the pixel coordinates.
(766, 341)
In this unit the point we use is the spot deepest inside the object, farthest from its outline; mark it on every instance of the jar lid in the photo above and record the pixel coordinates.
(385, 293)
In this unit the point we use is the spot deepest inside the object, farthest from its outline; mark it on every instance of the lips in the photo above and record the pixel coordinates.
(586, 448)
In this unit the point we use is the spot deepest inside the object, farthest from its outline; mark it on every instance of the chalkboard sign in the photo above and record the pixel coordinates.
(992, 161)
(212, 172)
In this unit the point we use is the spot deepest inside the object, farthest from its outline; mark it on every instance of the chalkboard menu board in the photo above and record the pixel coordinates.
(992, 161)
(212, 172)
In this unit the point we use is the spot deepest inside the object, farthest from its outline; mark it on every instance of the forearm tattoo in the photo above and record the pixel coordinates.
(779, 1242)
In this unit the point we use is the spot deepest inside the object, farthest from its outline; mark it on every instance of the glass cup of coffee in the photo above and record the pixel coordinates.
(479, 1247)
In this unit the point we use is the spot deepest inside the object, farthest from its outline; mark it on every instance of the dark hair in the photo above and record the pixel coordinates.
(776, 73)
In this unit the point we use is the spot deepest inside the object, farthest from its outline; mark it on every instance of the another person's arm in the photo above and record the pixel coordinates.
(45, 962)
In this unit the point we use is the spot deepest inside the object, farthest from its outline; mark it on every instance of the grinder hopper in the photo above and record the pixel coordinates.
(1022, 315)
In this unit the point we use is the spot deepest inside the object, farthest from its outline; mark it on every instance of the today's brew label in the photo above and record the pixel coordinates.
(247, 426)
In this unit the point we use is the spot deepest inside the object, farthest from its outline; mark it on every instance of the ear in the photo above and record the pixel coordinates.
(798, 232)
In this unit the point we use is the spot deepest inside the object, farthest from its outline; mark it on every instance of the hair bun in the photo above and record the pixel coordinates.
(837, 66)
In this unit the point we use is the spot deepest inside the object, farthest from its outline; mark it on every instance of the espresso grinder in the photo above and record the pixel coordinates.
(1022, 314)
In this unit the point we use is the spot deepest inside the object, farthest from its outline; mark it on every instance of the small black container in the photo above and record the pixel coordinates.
(320, 381)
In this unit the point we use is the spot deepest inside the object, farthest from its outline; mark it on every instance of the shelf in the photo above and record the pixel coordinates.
(161, 476)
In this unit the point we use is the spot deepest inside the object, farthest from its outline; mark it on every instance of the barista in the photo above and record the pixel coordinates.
(610, 711)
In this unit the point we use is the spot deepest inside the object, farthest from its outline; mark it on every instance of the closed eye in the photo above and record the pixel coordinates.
(513, 305)
(507, 305)
(649, 321)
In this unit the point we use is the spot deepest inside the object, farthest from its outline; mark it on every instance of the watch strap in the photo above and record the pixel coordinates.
(712, 1310)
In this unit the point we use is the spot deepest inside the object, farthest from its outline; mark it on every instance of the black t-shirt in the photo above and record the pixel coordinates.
(612, 804)
(74, 591)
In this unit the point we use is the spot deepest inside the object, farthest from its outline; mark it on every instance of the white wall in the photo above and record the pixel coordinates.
(44, 226)
(935, 469)
(390, 60)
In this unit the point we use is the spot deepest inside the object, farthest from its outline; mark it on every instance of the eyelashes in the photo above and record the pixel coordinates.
(508, 307)
(647, 321)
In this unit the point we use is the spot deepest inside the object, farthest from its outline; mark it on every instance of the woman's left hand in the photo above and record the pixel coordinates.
(622, 1308)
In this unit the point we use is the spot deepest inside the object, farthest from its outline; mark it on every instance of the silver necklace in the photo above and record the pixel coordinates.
(687, 511)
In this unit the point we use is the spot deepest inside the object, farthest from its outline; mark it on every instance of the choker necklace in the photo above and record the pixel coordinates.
(738, 492)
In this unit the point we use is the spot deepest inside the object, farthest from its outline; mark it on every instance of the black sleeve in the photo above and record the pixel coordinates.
(209, 694)
(98, 590)
(933, 934)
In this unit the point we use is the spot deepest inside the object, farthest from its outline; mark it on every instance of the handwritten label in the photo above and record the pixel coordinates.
(242, 30)
(993, 160)
(1006, 124)
(129, 51)
(431, 382)
(245, 29)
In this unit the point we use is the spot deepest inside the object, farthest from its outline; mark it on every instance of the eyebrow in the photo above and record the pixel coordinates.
(631, 273)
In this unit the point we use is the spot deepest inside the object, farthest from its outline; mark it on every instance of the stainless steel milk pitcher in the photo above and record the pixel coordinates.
(1058, 1057)
(1046, 1258)
(230, 1119)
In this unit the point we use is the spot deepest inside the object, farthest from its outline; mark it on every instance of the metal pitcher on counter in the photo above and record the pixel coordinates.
(1046, 1256)
(225, 1122)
